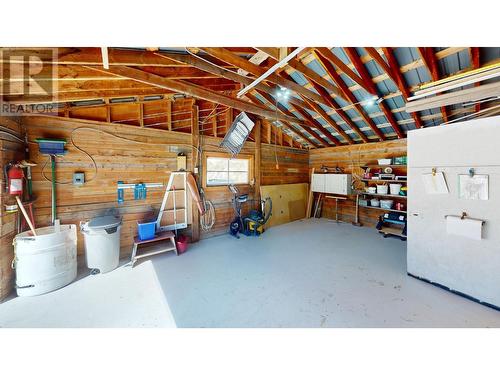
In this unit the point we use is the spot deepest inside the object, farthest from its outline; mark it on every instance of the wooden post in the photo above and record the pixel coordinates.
(108, 110)
(310, 197)
(195, 137)
(229, 119)
(257, 158)
(214, 119)
(141, 111)
(169, 114)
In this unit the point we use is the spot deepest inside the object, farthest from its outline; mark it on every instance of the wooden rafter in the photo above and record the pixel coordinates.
(476, 63)
(286, 112)
(307, 72)
(340, 64)
(332, 73)
(371, 88)
(192, 90)
(318, 126)
(285, 123)
(317, 108)
(430, 62)
(199, 63)
(86, 95)
(392, 70)
(324, 94)
(230, 58)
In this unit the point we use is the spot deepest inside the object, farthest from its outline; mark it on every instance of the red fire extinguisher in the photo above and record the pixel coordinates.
(15, 176)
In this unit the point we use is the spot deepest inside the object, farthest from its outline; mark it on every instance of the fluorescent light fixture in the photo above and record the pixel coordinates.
(237, 134)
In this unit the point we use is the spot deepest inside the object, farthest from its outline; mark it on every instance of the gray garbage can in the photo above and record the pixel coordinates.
(102, 243)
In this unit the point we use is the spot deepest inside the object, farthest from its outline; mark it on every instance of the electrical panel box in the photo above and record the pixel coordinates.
(332, 183)
(78, 178)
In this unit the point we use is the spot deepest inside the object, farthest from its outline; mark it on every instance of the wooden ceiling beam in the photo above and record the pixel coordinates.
(430, 62)
(392, 70)
(254, 99)
(309, 73)
(85, 95)
(475, 59)
(340, 64)
(371, 88)
(230, 58)
(191, 90)
(199, 63)
(317, 108)
(332, 73)
(326, 117)
(318, 126)
(286, 112)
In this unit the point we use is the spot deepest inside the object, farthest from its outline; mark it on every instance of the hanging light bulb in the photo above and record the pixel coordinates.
(373, 100)
(282, 93)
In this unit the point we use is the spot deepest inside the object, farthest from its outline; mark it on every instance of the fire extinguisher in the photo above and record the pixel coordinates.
(15, 177)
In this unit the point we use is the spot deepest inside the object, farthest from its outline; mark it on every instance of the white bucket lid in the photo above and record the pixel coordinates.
(104, 222)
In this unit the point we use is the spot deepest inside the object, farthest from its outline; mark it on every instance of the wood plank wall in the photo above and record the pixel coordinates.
(133, 163)
(117, 160)
(350, 158)
(293, 168)
(9, 150)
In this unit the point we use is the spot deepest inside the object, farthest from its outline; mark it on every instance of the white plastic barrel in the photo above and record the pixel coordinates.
(102, 243)
(46, 262)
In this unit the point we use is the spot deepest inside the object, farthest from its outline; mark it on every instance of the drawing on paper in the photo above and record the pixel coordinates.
(475, 187)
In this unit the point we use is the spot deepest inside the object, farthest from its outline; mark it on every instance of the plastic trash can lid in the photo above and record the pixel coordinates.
(103, 222)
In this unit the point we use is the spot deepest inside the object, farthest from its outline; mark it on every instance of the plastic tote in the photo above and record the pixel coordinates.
(395, 188)
(146, 230)
(46, 262)
(102, 243)
(386, 203)
(382, 189)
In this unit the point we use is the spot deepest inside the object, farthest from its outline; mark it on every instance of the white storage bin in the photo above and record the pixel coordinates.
(384, 161)
(374, 202)
(102, 243)
(386, 203)
(382, 189)
(46, 262)
(395, 188)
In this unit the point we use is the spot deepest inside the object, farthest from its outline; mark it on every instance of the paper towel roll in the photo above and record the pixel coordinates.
(470, 228)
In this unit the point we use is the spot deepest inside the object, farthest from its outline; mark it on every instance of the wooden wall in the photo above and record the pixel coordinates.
(350, 158)
(292, 168)
(117, 160)
(9, 150)
(133, 163)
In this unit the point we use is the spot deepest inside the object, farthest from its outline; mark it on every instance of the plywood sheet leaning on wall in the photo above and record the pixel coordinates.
(289, 202)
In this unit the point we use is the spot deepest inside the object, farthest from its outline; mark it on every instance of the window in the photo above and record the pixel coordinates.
(221, 170)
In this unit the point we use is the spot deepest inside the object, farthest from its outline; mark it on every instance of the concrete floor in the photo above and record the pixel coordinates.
(310, 273)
